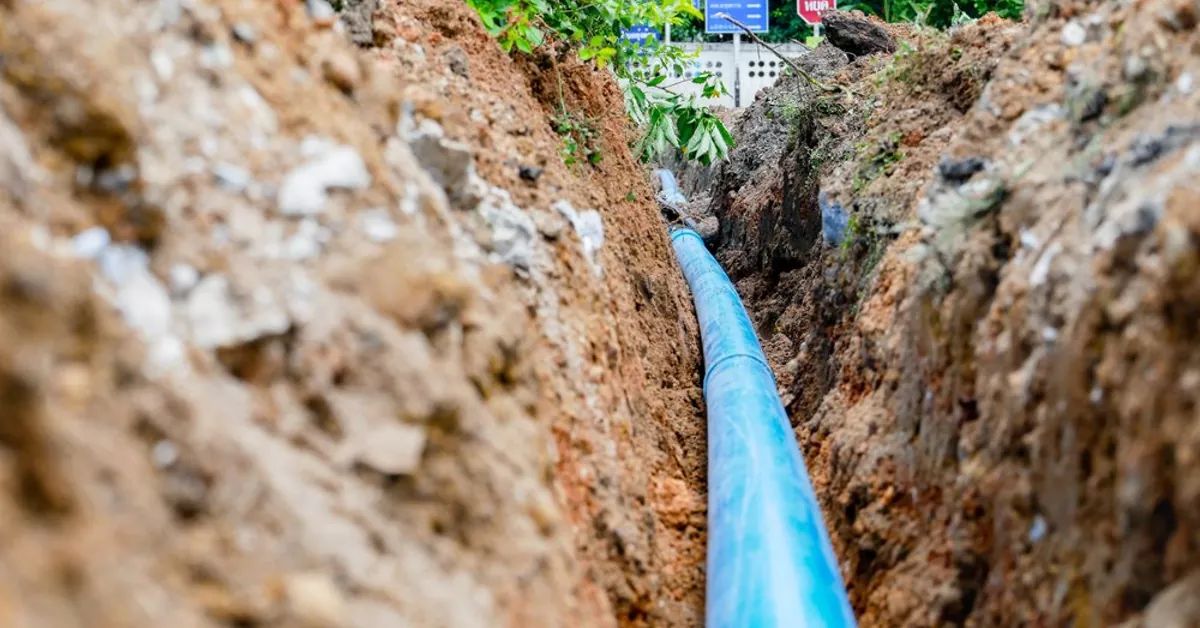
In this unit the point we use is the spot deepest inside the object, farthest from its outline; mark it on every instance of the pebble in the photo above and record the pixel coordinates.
(89, 243)
(1037, 530)
(315, 600)
(512, 230)
(216, 319)
(231, 177)
(164, 454)
(1184, 83)
(1074, 34)
(321, 12)
(304, 190)
(391, 449)
(305, 242)
(377, 225)
(119, 263)
(244, 33)
(145, 305)
(216, 56)
(183, 278)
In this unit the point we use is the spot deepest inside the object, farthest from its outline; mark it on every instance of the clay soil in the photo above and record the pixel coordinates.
(993, 377)
(434, 400)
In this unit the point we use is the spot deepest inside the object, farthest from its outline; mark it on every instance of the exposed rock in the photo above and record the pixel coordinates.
(389, 449)
(358, 16)
(305, 189)
(590, 229)
(856, 34)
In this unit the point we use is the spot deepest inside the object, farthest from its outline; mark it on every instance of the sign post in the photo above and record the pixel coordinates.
(810, 11)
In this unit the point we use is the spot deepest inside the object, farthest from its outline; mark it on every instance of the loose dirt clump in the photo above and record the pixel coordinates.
(299, 333)
(991, 371)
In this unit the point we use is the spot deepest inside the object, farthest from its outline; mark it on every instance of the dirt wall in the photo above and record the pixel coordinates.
(992, 375)
(301, 333)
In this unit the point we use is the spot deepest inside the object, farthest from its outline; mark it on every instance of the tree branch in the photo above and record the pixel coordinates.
(791, 64)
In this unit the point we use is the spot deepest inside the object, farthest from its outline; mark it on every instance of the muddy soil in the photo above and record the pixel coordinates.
(994, 375)
(305, 322)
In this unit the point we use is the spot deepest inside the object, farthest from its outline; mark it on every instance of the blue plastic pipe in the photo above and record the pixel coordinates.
(770, 563)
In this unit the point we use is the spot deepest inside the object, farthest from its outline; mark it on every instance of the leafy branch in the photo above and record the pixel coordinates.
(667, 119)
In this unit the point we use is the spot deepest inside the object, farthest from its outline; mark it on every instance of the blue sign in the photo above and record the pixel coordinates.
(752, 13)
(640, 34)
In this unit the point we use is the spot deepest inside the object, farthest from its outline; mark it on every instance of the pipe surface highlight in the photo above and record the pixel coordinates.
(770, 563)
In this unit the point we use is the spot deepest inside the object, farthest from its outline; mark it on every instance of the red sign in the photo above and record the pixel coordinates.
(810, 10)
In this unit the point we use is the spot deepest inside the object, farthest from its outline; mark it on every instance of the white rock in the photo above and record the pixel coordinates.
(183, 278)
(217, 319)
(164, 67)
(392, 449)
(305, 189)
(231, 177)
(1184, 83)
(121, 262)
(589, 226)
(512, 230)
(164, 453)
(314, 600)
(145, 305)
(211, 316)
(1041, 270)
(378, 225)
(321, 11)
(304, 243)
(89, 243)
(1074, 34)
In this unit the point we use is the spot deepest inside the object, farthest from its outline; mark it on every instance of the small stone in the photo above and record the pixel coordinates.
(392, 449)
(231, 177)
(1135, 67)
(183, 278)
(244, 33)
(1074, 34)
(89, 243)
(119, 263)
(304, 243)
(960, 170)
(1037, 530)
(377, 225)
(164, 454)
(1184, 83)
(315, 601)
(456, 59)
(321, 12)
(162, 63)
(304, 190)
(145, 305)
(530, 173)
(216, 57)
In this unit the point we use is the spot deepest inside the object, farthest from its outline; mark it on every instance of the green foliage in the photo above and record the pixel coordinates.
(939, 13)
(668, 120)
(579, 138)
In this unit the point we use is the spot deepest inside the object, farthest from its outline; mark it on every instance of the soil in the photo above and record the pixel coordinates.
(310, 321)
(993, 377)
(423, 395)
